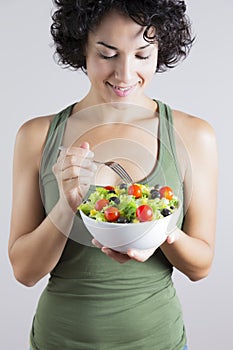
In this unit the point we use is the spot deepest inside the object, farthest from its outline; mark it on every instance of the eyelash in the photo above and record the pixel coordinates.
(107, 57)
(111, 57)
(142, 57)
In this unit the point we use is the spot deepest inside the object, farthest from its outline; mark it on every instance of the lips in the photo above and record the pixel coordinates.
(122, 88)
(122, 91)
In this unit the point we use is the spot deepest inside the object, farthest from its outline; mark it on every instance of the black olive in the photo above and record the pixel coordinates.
(171, 207)
(155, 194)
(116, 200)
(111, 191)
(123, 186)
(166, 212)
(122, 220)
(157, 187)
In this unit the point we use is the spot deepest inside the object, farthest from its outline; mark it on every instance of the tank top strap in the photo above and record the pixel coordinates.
(51, 148)
(59, 118)
(167, 137)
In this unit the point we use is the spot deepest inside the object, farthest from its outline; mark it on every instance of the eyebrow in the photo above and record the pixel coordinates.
(115, 48)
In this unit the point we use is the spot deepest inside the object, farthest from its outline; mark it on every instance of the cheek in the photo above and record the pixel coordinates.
(97, 70)
(149, 71)
(97, 66)
(149, 67)
(153, 64)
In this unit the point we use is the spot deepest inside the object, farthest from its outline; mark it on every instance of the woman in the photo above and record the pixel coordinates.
(128, 301)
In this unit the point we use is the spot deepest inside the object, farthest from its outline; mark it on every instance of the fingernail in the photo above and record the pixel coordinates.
(105, 250)
(131, 254)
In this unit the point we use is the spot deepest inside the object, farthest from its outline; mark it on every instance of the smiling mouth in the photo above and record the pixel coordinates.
(121, 88)
(122, 91)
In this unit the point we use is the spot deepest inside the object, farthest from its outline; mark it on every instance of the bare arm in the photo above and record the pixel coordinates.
(37, 242)
(193, 252)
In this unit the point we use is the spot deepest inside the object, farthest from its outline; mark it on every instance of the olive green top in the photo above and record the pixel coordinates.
(93, 302)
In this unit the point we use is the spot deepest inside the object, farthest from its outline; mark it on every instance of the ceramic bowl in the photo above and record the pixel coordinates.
(121, 237)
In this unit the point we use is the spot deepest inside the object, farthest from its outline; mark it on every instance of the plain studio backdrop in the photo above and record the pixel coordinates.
(33, 85)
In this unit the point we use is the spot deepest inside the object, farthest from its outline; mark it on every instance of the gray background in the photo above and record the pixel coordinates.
(32, 85)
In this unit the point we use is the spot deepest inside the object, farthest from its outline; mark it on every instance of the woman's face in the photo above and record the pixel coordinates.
(120, 63)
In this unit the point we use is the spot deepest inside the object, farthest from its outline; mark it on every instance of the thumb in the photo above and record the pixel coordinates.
(85, 145)
(173, 235)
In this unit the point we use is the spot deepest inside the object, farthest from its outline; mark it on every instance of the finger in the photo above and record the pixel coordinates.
(97, 243)
(173, 236)
(84, 175)
(74, 158)
(80, 151)
(77, 161)
(85, 145)
(140, 255)
(119, 257)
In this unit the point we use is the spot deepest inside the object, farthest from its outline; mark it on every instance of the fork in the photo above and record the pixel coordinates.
(119, 170)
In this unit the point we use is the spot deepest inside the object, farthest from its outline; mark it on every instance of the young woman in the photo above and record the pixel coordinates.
(100, 298)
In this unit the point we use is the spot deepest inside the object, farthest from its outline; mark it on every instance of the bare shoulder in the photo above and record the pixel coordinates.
(31, 137)
(193, 130)
(38, 124)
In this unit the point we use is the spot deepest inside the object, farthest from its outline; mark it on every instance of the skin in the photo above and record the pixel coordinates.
(35, 243)
(119, 58)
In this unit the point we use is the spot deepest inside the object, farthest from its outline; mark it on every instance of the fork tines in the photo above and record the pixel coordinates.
(121, 172)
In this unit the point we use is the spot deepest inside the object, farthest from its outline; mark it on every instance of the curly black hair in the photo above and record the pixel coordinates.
(74, 19)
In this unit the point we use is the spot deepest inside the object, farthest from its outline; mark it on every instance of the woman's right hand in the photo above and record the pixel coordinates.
(74, 172)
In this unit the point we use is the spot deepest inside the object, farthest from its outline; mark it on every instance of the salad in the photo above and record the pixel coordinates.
(130, 203)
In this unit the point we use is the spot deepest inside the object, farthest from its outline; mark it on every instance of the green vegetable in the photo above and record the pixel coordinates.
(127, 204)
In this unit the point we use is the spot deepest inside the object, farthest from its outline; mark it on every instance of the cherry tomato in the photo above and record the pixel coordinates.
(109, 188)
(111, 214)
(166, 192)
(144, 213)
(135, 190)
(100, 204)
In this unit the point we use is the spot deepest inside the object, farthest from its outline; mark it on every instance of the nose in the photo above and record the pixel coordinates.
(124, 70)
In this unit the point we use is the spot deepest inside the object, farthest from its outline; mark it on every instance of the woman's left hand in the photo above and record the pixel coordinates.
(132, 254)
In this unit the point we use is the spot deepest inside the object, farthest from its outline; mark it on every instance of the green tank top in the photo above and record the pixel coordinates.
(93, 302)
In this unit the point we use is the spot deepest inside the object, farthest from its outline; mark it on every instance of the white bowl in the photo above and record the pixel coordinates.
(121, 237)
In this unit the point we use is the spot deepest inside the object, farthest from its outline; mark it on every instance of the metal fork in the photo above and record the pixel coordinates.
(119, 170)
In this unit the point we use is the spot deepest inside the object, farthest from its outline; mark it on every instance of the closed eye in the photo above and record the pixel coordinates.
(107, 57)
(114, 56)
(142, 57)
